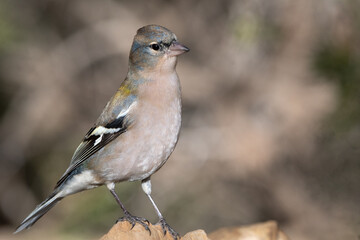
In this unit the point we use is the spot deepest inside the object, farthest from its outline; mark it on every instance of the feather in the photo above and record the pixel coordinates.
(39, 211)
(98, 137)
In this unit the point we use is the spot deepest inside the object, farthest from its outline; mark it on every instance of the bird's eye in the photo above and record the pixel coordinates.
(155, 46)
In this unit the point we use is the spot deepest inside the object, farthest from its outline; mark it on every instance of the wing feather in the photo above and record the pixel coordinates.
(94, 140)
(112, 122)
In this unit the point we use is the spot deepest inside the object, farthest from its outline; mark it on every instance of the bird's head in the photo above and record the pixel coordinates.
(154, 47)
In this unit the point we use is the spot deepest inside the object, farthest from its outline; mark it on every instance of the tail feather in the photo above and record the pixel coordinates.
(39, 211)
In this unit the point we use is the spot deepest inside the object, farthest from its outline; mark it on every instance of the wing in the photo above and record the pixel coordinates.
(99, 136)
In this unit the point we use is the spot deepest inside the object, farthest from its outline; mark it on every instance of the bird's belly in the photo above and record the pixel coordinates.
(144, 148)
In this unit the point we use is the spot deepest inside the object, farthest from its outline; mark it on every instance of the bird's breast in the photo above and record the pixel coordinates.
(158, 124)
(149, 141)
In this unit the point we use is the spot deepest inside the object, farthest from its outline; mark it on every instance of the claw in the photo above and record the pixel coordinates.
(133, 220)
(166, 228)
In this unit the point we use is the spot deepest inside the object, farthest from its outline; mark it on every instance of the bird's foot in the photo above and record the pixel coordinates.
(166, 228)
(133, 220)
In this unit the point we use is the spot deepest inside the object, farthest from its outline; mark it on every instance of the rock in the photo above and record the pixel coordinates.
(123, 231)
(261, 231)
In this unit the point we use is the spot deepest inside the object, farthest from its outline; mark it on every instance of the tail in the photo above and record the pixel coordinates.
(39, 211)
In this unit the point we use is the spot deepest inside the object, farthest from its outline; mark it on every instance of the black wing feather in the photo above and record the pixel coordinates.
(88, 147)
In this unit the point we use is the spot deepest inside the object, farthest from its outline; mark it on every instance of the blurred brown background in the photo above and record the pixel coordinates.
(271, 116)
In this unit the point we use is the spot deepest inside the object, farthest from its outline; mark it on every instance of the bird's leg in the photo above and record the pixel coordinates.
(146, 186)
(128, 216)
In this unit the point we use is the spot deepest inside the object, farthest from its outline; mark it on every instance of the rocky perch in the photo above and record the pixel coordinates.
(260, 231)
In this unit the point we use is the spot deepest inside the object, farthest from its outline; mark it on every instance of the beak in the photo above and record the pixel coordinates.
(176, 49)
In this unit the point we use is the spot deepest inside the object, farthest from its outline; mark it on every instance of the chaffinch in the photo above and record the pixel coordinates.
(136, 132)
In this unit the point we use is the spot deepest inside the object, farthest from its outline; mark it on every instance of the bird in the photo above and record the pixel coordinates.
(136, 132)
